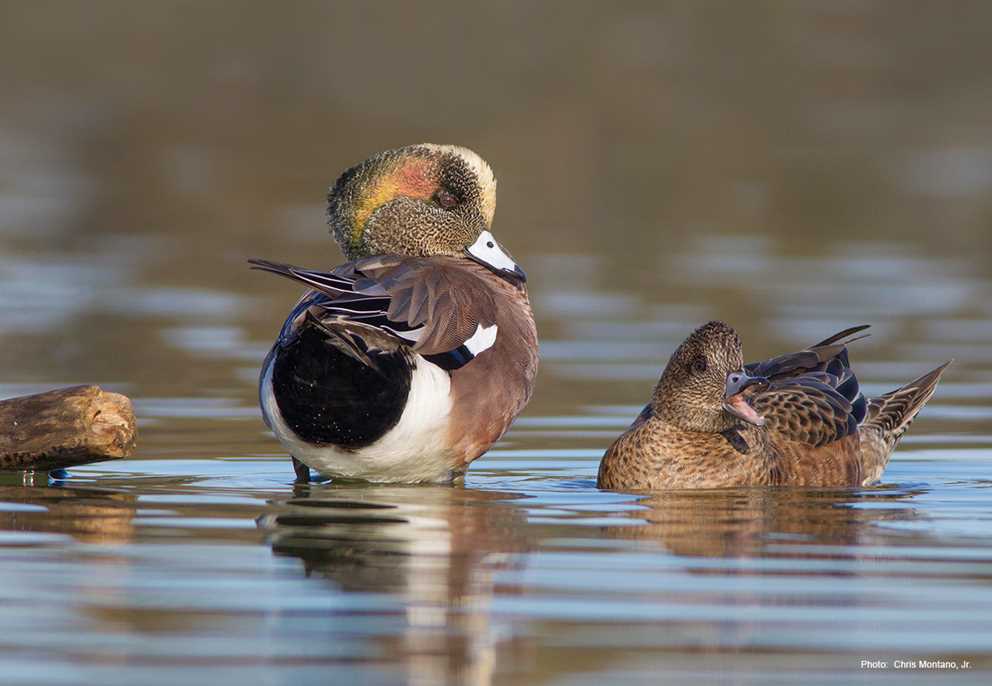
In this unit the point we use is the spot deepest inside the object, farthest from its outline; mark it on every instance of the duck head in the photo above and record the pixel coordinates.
(703, 387)
(422, 200)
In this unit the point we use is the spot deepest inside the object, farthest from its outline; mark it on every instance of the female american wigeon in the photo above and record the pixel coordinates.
(798, 420)
(412, 359)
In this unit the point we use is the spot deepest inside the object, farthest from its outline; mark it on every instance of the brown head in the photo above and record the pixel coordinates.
(422, 200)
(703, 386)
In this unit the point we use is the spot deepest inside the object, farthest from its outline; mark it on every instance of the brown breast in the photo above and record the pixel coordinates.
(654, 455)
(491, 390)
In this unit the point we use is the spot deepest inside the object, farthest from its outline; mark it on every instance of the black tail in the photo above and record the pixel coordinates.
(332, 388)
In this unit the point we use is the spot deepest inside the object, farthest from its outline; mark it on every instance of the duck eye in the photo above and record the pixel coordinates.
(445, 199)
(699, 365)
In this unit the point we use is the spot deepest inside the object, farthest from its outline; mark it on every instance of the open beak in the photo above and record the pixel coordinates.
(734, 401)
(490, 254)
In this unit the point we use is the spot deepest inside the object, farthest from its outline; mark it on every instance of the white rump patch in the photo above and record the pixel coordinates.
(483, 339)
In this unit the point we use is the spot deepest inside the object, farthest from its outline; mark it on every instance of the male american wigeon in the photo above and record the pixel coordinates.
(797, 420)
(412, 359)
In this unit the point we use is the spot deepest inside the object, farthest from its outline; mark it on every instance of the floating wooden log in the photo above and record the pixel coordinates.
(64, 428)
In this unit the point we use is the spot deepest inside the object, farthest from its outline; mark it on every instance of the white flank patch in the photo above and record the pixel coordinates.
(482, 339)
(413, 451)
(487, 249)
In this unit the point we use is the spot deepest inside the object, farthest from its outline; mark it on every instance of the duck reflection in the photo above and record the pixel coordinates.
(743, 522)
(437, 548)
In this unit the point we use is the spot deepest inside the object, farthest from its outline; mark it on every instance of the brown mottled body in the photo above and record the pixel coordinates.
(807, 423)
(655, 455)
(800, 464)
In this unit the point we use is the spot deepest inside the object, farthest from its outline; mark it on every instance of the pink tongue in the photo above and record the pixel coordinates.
(744, 410)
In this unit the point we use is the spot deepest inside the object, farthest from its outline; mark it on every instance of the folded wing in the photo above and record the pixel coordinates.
(813, 396)
(439, 311)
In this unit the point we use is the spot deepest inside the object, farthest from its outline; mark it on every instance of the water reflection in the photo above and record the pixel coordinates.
(525, 570)
(743, 522)
(834, 170)
(436, 548)
(88, 515)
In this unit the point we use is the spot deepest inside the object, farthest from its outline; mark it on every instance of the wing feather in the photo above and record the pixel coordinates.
(813, 396)
(432, 305)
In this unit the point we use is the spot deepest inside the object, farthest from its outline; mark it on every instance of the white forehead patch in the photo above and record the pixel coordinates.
(482, 171)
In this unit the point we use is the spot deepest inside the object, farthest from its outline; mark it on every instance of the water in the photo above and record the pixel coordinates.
(835, 180)
(199, 561)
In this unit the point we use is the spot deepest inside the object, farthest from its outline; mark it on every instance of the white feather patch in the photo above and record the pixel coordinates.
(483, 339)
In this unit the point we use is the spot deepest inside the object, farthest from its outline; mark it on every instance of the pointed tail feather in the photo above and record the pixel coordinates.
(836, 345)
(322, 281)
(889, 416)
(893, 412)
(841, 335)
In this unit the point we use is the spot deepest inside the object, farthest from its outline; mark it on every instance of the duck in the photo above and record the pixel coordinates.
(407, 362)
(799, 419)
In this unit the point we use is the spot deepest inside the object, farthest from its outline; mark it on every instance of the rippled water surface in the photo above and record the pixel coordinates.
(820, 183)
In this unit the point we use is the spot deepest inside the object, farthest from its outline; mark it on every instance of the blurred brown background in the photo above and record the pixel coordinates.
(792, 167)
(659, 163)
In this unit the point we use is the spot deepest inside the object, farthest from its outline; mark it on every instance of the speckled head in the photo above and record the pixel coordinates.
(419, 200)
(691, 391)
